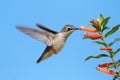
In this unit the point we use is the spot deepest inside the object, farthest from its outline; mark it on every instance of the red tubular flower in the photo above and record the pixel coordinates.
(105, 65)
(107, 48)
(106, 71)
(88, 29)
(96, 23)
(93, 36)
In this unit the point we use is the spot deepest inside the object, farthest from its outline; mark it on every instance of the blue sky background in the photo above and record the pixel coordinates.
(18, 52)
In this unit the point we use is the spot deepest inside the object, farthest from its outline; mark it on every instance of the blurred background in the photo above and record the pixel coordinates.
(19, 52)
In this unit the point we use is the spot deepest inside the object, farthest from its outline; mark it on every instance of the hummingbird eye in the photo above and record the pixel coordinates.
(68, 29)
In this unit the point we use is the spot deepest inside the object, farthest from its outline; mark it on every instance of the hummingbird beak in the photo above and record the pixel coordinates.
(77, 29)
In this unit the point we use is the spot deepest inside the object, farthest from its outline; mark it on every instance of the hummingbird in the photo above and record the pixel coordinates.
(53, 39)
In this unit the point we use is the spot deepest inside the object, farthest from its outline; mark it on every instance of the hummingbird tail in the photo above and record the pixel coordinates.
(43, 57)
(46, 54)
(39, 60)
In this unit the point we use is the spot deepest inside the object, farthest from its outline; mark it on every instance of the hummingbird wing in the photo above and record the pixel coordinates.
(46, 29)
(39, 35)
(46, 54)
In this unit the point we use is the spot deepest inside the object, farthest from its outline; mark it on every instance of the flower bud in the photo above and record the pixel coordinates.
(107, 71)
(88, 29)
(95, 23)
(93, 36)
(105, 65)
(107, 48)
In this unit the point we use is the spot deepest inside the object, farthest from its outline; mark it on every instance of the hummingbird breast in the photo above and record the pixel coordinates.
(58, 42)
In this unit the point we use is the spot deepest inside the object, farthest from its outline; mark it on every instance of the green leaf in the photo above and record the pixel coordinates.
(115, 40)
(113, 30)
(97, 57)
(105, 28)
(118, 50)
(102, 43)
(96, 27)
(100, 19)
(104, 22)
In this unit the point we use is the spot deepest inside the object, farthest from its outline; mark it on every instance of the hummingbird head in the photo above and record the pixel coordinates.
(68, 29)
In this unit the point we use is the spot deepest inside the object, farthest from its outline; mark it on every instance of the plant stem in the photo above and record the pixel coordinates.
(111, 55)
